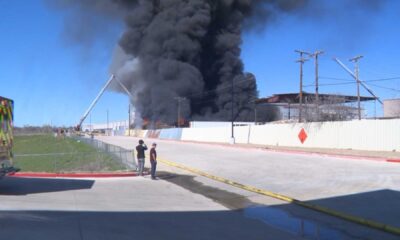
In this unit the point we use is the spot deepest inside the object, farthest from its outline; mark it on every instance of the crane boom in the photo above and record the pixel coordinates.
(124, 88)
(94, 102)
(354, 76)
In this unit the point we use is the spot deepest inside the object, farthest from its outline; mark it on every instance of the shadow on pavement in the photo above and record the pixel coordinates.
(382, 205)
(43, 225)
(252, 223)
(24, 186)
(223, 197)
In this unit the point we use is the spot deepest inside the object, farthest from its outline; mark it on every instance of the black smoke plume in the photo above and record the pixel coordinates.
(188, 51)
(186, 54)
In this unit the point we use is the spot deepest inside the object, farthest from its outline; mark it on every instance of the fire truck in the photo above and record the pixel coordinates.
(6, 137)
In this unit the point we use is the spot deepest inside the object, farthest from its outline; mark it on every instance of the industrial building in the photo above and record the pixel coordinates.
(111, 128)
(328, 107)
(391, 108)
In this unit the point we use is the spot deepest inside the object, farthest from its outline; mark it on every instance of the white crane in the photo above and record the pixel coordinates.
(355, 77)
(113, 77)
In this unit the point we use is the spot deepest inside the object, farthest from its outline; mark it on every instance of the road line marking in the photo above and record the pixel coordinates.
(341, 215)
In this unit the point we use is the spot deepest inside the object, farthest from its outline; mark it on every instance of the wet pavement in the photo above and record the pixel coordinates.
(305, 228)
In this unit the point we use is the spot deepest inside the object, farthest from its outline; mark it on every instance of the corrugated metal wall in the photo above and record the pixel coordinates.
(374, 135)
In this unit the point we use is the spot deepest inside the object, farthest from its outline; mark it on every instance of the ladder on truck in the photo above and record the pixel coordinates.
(6, 137)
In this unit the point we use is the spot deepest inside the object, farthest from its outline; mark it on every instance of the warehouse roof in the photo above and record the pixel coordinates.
(293, 98)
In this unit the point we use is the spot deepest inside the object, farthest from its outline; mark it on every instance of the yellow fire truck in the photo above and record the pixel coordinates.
(6, 137)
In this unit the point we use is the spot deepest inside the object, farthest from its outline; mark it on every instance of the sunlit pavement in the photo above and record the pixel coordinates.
(123, 208)
(367, 189)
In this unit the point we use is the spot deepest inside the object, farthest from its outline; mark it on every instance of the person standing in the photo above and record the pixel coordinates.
(141, 156)
(153, 160)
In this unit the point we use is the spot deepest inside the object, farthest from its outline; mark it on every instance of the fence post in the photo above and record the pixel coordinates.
(55, 165)
(98, 161)
(120, 156)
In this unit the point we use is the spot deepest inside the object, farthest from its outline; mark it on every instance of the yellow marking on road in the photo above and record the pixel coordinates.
(345, 216)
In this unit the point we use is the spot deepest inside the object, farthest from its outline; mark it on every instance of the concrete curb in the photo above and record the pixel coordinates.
(368, 158)
(74, 175)
(328, 211)
(379, 159)
(393, 160)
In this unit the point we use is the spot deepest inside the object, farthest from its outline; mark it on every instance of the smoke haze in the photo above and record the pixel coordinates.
(187, 50)
(174, 49)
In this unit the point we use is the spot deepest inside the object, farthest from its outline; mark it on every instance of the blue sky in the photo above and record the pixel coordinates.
(53, 80)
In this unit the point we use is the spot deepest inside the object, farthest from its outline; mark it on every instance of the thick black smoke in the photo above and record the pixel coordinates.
(174, 49)
(185, 54)
(178, 49)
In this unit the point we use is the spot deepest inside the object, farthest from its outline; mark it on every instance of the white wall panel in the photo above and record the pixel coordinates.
(216, 134)
(374, 135)
(377, 135)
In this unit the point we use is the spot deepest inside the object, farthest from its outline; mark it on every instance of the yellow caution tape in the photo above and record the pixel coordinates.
(348, 217)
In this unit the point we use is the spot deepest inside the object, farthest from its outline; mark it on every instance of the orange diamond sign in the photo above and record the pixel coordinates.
(302, 135)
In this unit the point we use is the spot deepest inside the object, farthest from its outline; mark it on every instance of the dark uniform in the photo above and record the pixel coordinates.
(153, 161)
(140, 156)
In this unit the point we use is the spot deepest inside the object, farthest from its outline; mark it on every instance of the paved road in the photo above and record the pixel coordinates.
(363, 188)
(306, 177)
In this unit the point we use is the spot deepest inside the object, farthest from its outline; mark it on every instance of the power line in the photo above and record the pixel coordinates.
(352, 82)
(388, 88)
(202, 101)
(382, 79)
(335, 78)
(369, 80)
(332, 84)
(200, 95)
(336, 84)
(217, 89)
(386, 72)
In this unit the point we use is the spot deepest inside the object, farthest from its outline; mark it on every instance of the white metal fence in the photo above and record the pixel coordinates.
(373, 135)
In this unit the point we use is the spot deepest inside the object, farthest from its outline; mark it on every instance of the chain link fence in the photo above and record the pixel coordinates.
(121, 155)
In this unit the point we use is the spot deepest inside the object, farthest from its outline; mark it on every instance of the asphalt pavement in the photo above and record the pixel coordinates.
(183, 205)
(363, 188)
(121, 208)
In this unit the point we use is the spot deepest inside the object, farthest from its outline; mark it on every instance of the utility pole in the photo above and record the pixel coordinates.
(179, 99)
(356, 72)
(315, 56)
(301, 61)
(129, 119)
(232, 130)
(179, 112)
(107, 122)
(255, 114)
(354, 76)
(255, 110)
